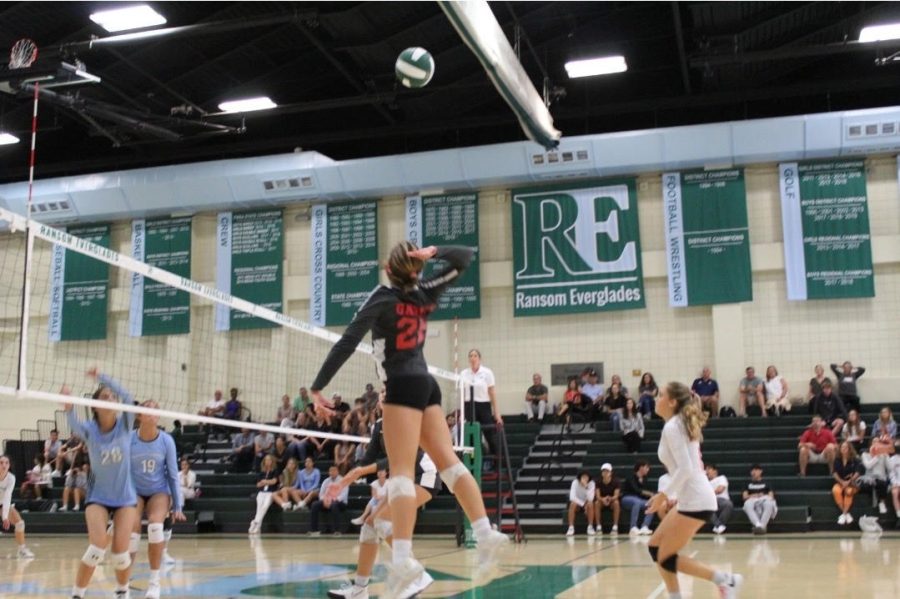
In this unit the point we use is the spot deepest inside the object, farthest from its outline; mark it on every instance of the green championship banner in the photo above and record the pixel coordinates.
(79, 289)
(344, 260)
(450, 219)
(158, 309)
(707, 240)
(249, 265)
(576, 249)
(827, 246)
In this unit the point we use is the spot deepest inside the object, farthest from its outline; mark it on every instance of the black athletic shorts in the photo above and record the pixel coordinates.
(111, 510)
(702, 515)
(430, 480)
(415, 391)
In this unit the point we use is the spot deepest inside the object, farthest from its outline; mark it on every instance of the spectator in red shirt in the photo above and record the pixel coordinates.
(817, 446)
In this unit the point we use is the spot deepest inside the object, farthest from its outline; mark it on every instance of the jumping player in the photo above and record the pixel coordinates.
(397, 316)
(679, 451)
(110, 489)
(154, 469)
(10, 516)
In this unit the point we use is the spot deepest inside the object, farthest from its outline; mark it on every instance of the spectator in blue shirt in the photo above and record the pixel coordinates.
(305, 488)
(335, 507)
(707, 389)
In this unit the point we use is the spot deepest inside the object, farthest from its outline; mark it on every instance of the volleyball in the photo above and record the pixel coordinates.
(414, 67)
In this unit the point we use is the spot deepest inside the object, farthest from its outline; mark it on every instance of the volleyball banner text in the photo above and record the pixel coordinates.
(707, 237)
(450, 219)
(576, 249)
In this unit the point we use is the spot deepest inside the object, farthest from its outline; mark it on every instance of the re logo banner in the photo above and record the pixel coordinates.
(576, 249)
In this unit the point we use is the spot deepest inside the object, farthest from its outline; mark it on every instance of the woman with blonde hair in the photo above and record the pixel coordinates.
(776, 391)
(679, 451)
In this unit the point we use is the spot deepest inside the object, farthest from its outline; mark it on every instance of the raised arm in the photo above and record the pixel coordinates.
(457, 258)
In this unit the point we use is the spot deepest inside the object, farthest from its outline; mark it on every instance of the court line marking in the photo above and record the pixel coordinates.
(613, 543)
(662, 586)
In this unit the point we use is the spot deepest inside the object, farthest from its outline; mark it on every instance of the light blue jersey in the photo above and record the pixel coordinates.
(110, 481)
(308, 481)
(154, 467)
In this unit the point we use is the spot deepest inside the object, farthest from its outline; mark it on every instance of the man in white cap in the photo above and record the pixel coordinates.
(608, 491)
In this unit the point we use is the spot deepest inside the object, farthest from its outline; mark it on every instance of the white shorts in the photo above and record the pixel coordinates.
(817, 458)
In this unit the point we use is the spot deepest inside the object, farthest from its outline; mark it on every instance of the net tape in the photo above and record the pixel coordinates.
(17, 222)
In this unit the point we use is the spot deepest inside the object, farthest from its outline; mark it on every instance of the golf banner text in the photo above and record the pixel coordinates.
(249, 254)
(576, 249)
(827, 246)
(450, 219)
(79, 289)
(344, 260)
(158, 309)
(707, 241)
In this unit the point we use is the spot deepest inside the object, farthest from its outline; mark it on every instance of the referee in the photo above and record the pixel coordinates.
(480, 399)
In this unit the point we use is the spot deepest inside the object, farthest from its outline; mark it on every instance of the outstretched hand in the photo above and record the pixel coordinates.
(93, 372)
(320, 404)
(426, 253)
(179, 517)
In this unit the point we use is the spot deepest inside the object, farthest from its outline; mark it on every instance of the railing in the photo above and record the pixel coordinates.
(563, 446)
(503, 464)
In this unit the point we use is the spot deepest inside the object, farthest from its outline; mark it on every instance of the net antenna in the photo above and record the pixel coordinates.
(23, 54)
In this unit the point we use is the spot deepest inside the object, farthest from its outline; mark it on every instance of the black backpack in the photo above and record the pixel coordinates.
(727, 412)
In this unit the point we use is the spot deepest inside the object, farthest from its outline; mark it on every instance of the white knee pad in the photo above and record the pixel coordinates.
(93, 556)
(120, 561)
(134, 543)
(155, 533)
(385, 528)
(20, 526)
(167, 534)
(400, 486)
(368, 535)
(452, 474)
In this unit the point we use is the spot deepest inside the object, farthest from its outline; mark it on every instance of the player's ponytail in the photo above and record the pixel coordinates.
(403, 270)
(688, 407)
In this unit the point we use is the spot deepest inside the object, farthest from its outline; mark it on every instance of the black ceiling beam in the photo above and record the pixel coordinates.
(790, 53)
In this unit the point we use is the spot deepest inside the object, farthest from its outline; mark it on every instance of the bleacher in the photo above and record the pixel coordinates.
(545, 461)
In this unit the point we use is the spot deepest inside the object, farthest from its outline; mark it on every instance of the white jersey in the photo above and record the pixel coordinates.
(681, 457)
(6, 490)
(663, 486)
(581, 494)
(479, 382)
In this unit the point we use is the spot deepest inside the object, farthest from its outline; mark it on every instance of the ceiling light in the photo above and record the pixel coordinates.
(605, 65)
(247, 104)
(130, 17)
(880, 33)
(7, 139)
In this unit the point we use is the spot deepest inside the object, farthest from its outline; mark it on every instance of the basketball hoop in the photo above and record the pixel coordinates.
(23, 54)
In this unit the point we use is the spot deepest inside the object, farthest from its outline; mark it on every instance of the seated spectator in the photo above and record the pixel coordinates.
(340, 406)
(216, 406)
(593, 391)
(573, 401)
(263, 442)
(371, 397)
(357, 421)
(707, 389)
(750, 390)
(777, 389)
(815, 387)
(242, 451)
(344, 452)
(613, 405)
(846, 379)
(307, 488)
(75, 485)
(335, 507)
(632, 425)
(286, 413)
(719, 484)
(885, 424)
(187, 480)
(280, 453)
(452, 425)
(662, 486)
(854, 430)
(267, 485)
(817, 445)
(617, 380)
(233, 406)
(608, 497)
(883, 443)
(536, 397)
(287, 482)
(648, 391)
(71, 451)
(379, 493)
(52, 447)
(874, 478)
(846, 479)
(178, 437)
(759, 501)
(894, 468)
(830, 407)
(38, 478)
(581, 497)
(635, 496)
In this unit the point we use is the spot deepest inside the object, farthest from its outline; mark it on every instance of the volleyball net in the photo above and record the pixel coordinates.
(69, 303)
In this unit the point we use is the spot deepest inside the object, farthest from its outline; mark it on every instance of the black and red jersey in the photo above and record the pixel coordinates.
(398, 320)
